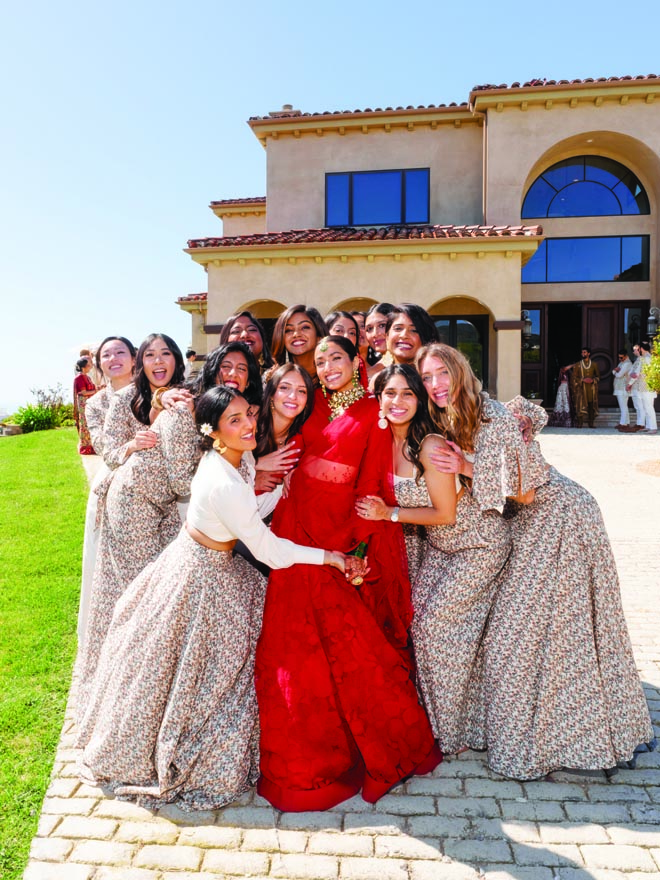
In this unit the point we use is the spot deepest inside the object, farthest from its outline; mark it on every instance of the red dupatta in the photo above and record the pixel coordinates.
(344, 459)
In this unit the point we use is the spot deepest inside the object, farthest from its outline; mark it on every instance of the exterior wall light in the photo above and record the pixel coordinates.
(653, 320)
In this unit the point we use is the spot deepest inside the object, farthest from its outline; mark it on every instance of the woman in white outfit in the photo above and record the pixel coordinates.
(620, 373)
(173, 714)
(645, 395)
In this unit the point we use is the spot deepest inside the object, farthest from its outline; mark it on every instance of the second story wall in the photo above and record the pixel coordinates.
(297, 167)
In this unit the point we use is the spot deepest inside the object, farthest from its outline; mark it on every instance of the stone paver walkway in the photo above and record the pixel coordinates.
(463, 821)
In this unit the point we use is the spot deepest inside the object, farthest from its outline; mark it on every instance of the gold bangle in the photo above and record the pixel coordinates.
(156, 402)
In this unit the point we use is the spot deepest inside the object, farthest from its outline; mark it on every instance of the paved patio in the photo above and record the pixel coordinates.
(461, 823)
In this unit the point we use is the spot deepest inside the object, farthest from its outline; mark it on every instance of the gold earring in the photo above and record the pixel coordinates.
(356, 378)
(217, 445)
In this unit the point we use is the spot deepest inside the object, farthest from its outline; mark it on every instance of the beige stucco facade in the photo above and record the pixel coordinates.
(482, 158)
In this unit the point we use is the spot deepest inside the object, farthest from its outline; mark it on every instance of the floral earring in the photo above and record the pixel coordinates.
(217, 445)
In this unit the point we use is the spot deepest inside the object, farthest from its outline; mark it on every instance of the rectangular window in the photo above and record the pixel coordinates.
(606, 258)
(377, 198)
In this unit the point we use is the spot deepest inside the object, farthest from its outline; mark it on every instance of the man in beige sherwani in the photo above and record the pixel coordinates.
(584, 388)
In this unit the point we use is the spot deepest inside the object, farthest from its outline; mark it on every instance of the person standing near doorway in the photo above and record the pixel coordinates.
(620, 373)
(584, 387)
(646, 417)
(633, 388)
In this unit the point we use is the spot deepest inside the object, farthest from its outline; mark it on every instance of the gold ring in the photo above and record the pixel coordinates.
(357, 581)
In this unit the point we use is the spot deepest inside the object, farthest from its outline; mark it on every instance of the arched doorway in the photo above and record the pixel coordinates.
(465, 324)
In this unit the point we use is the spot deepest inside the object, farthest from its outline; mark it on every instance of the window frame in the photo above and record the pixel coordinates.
(621, 169)
(401, 222)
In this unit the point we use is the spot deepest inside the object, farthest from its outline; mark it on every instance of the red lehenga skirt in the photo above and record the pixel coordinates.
(338, 707)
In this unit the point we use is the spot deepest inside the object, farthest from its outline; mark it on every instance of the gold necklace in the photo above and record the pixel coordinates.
(341, 400)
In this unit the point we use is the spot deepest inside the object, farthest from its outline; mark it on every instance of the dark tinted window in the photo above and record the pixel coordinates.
(585, 186)
(606, 258)
(365, 198)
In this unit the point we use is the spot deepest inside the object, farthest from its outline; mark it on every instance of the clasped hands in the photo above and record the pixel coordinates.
(350, 566)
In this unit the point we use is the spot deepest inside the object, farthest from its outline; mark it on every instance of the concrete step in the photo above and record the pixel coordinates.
(608, 417)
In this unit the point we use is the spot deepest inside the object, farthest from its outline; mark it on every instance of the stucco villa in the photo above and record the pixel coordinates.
(525, 220)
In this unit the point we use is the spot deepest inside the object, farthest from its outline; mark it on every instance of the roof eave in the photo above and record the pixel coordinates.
(483, 99)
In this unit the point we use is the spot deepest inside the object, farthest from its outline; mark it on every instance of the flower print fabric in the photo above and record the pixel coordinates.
(452, 593)
(139, 517)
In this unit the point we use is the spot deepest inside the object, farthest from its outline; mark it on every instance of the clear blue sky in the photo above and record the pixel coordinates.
(121, 121)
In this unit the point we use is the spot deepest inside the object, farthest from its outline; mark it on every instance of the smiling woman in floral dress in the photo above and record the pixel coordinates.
(456, 563)
(560, 688)
(115, 359)
(139, 515)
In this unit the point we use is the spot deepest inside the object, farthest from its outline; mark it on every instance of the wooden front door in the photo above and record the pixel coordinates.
(559, 330)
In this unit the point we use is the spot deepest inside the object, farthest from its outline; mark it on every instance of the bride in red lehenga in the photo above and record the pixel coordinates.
(334, 674)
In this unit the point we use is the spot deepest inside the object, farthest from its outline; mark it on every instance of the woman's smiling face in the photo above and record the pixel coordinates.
(333, 366)
(375, 329)
(233, 371)
(290, 396)
(246, 331)
(159, 364)
(398, 402)
(403, 339)
(236, 427)
(300, 334)
(436, 379)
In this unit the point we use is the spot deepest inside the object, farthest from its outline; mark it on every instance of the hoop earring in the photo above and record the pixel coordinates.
(382, 421)
(217, 445)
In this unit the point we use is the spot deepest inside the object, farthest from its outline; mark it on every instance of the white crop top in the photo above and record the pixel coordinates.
(224, 507)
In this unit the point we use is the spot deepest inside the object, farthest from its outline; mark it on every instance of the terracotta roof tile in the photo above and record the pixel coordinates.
(349, 233)
(257, 200)
(298, 115)
(537, 83)
(192, 297)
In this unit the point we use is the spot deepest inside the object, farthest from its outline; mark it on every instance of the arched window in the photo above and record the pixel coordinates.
(585, 186)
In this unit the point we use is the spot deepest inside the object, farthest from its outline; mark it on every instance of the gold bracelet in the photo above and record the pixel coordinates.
(156, 402)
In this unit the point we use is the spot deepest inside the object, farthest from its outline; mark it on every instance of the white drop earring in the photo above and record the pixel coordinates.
(382, 421)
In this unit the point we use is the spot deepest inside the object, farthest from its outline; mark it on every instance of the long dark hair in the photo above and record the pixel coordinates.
(279, 350)
(421, 424)
(423, 322)
(127, 342)
(266, 356)
(141, 403)
(381, 308)
(210, 408)
(265, 434)
(208, 375)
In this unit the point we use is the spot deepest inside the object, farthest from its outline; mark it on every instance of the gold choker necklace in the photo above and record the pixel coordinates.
(341, 400)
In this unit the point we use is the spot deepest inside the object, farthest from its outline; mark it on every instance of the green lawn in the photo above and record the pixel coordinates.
(43, 493)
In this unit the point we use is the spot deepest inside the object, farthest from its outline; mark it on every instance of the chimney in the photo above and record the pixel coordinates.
(287, 110)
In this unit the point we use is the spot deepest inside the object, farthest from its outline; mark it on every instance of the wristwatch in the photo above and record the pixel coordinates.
(394, 516)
